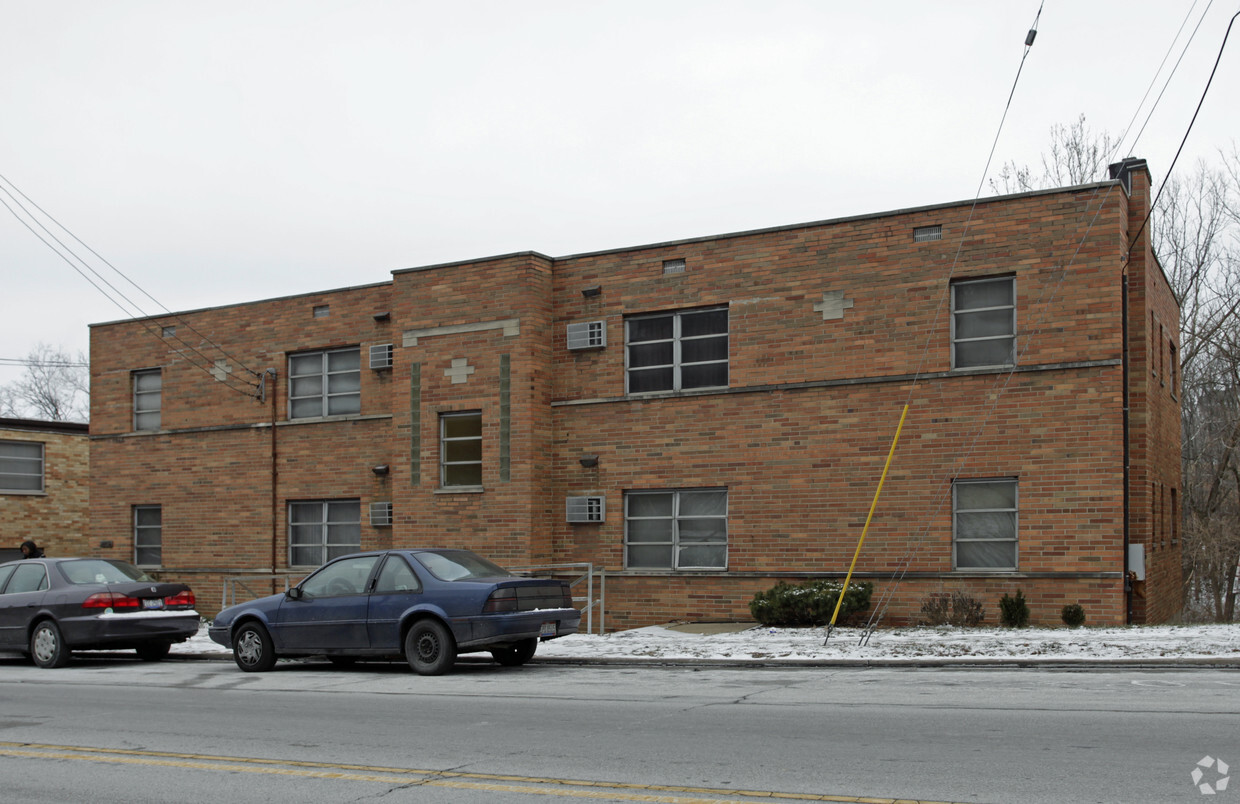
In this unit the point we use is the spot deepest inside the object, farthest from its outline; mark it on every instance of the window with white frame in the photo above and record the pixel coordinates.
(985, 516)
(984, 322)
(327, 383)
(148, 535)
(21, 467)
(320, 530)
(460, 449)
(677, 351)
(147, 399)
(684, 529)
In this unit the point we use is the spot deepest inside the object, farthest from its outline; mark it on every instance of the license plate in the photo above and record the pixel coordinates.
(547, 630)
(152, 603)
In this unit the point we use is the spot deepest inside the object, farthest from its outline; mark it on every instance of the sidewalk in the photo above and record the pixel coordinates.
(750, 645)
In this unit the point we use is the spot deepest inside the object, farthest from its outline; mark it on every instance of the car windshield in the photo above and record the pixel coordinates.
(99, 570)
(459, 565)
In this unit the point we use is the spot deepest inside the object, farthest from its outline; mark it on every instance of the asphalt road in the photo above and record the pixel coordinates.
(120, 730)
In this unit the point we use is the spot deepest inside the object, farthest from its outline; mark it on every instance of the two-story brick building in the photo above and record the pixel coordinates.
(699, 417)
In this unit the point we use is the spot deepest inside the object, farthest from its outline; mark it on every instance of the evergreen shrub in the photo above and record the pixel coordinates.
(1073, 615)
(1013, 611)
(809, 603)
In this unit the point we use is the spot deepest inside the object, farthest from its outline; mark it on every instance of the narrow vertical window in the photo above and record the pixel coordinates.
(984, 323)
(147, 399)
(460, 449)
(984, 523)
(148, 535)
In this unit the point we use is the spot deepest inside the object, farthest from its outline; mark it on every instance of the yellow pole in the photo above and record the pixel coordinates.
(890, 454)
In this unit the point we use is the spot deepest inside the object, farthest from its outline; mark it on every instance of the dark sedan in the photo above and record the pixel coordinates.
(426, 606)
(50, 607)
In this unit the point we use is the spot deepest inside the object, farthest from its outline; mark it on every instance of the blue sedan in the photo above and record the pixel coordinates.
(426, 606)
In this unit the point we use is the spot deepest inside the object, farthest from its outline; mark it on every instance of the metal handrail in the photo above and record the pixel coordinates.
(589, 599)
(231, 582)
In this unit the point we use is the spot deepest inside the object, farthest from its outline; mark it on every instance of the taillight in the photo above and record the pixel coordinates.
(501, 600)
(185, 598)
(107, 600)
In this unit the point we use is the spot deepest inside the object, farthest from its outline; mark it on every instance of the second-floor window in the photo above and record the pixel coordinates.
(677, 351)
(327, 383)
(460, 449)
(147, 399)
(984, 322)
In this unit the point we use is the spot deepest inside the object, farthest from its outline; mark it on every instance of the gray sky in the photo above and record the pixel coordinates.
(230, 151)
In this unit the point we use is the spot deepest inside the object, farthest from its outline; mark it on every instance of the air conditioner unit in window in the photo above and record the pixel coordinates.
(381, 356)
(585, 509)
(381, 514)
(587, 335)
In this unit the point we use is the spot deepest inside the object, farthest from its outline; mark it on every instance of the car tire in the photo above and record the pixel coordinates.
(516, 655)
(253, 650)
(154, 651)
(47, 646)
(430, 648)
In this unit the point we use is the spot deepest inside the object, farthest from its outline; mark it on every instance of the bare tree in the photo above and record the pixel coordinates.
(54, 387)
(1077, 156)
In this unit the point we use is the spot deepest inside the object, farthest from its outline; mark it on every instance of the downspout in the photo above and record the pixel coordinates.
(1127, 514)
(275, 483)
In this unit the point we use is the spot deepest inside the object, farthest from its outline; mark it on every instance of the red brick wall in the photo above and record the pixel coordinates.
(799, 439)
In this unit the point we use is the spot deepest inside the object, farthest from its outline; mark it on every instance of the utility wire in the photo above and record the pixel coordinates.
(247, 388)
(119, 273)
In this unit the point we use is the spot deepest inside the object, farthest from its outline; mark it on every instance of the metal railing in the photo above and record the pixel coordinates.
(587, 574)
(232, 582)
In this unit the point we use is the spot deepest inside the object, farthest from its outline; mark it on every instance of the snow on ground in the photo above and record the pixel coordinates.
(761, 644)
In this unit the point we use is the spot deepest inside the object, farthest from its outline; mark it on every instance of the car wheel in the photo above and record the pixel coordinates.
(430, 648)
(516, 655)
(154, 651)
(252, 649)
(47, 646)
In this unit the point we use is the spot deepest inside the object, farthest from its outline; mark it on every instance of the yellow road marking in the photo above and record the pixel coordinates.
(413, 776)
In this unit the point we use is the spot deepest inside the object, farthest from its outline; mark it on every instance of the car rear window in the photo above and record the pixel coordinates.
(97, 570)
(460, 565)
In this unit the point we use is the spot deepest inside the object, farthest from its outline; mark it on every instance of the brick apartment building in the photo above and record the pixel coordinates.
(701, 418)
(44, 486)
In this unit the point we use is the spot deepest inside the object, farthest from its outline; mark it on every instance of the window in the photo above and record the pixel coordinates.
(148, 535)
(346, 577)
(1174, 368)
(460, 449)
(396, 577)
(984, 323)
(147, 399)
(676, 529)
(677, 352)
(325, 383)
(321, 530)
(29, 577)
(21, 467)
(984, 519)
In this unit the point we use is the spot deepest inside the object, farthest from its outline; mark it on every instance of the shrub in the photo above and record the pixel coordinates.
(810, 603)
(956, 609)
(1073, 615)
(1013, 611)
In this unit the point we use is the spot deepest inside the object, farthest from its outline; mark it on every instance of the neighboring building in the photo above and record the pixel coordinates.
(44, 486)
(701, 418)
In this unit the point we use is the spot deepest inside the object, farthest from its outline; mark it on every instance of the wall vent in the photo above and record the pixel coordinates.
(585, 509)
(923, 234)
(381, 356)
(587, 335)
(381, 514)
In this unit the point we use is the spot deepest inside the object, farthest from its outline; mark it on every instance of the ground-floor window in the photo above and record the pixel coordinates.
(320, 530)
(685, 529)
(148, 535)
(984, 523)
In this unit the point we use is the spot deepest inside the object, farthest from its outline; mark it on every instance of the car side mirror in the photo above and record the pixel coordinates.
(294, 593)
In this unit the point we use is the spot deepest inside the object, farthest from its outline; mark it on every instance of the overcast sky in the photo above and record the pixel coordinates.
(224, 152)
